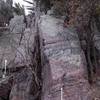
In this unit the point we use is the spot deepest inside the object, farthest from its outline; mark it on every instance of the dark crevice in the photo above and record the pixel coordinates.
(37, 66)
(90, 51)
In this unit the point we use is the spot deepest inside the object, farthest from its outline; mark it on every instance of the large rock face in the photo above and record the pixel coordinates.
(10, 42)
(64, 62)
(15, 50)
(20, 81)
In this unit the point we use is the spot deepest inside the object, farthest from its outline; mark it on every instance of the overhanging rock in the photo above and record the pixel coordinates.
(64, 62)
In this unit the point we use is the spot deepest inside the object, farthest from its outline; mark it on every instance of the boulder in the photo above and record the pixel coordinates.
(21, 85)
(17, 24)
(24, 86)
(64, 62)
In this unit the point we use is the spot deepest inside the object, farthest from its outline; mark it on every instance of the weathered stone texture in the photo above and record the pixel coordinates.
(17, 51)
(22, 84)
(19, 86)
(17, 24)
(64, 62)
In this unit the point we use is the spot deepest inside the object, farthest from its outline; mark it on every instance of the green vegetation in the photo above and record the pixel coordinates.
(98, 9)
(7, 11)
(18, 9)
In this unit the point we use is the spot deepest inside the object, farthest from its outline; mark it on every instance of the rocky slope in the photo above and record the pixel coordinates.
(45, 62)
(19, 50)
